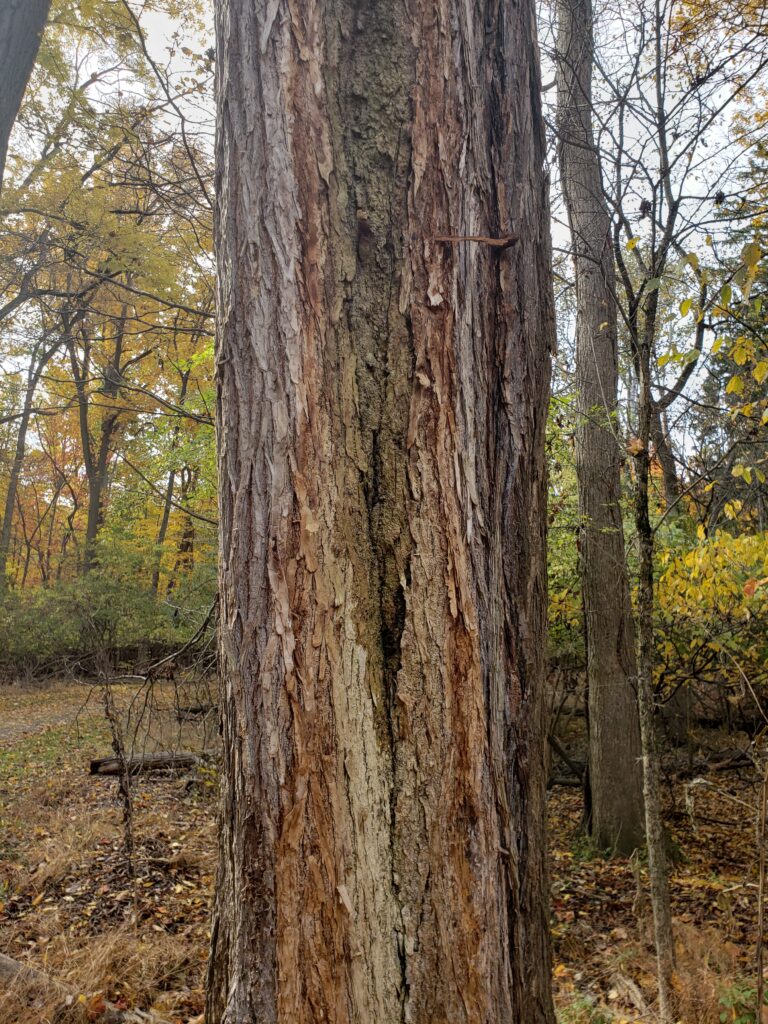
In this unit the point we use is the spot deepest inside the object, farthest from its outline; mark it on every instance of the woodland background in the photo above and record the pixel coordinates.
(108, 487)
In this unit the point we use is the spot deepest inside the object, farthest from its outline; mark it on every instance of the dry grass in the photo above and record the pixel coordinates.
(708, 975)
(68, 905)
(126, 967)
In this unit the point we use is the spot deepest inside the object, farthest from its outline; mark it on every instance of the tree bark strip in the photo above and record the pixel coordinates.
(381, 416)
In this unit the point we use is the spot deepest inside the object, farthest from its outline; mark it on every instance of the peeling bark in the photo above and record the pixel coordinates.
(382, 403)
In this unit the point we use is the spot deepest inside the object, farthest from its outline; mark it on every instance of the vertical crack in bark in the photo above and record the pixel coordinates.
(374, 106)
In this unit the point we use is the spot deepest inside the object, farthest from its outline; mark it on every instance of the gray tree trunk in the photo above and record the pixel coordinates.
(615, 797)
(169, 488)
(39, 359)
(382, 406)
(21, 28)
(665, 455)
(15, 474)
(657, 860)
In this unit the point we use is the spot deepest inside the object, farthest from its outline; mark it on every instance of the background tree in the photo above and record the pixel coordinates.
(614, 798)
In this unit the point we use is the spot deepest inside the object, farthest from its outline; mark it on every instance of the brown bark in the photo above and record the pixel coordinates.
(21, 28)
(615, 797)
(382, 402)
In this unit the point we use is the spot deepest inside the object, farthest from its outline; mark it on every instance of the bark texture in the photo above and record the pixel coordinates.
(615, 797)
(21, 28)
(382, 403)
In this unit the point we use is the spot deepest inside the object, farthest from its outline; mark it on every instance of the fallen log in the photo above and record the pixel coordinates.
(137, 763)
(195, 711)
(567, 781)
(721, 761)
(12, 972)
(577, 769)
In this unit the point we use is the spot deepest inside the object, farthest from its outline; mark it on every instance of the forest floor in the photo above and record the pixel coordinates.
(70, 907)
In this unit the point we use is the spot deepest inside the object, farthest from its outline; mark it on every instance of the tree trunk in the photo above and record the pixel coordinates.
(15, 474)
(168, 502)
(381, 416)
(185, 549)
(615, 797)
(665, 455)
(21, 28)
(96, 462)
(654, 825)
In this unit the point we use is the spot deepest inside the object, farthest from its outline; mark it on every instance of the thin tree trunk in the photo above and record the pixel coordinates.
(168, 503)
(381, 416)
(15, 474)
(21, 28)
(615, 798)
(185, 551)
(163, 529)
(39, 359)
(96, 463)
(654, 825)
(665, 455)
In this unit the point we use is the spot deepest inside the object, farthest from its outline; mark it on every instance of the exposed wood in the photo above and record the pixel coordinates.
(496, 243)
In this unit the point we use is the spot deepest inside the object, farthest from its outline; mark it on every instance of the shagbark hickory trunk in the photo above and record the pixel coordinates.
(381, 414)
(615, 796)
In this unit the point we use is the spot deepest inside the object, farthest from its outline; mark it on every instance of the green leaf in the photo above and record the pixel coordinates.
(653, 284)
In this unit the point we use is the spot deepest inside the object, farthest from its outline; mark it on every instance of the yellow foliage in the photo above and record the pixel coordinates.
(722, 575)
